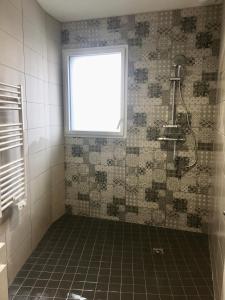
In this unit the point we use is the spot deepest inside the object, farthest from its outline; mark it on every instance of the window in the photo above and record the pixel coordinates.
(95, 90)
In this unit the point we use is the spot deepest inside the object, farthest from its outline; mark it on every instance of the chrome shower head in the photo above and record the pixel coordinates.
(179, 63)
(180, 60)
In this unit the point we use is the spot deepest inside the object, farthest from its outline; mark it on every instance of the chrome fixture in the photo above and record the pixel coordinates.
(176, 82)
(158, 251)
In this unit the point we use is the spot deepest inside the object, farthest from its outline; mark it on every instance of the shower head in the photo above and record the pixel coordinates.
(180, 60)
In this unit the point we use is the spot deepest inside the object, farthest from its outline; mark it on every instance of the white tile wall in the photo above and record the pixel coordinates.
(40, 185)
(37, 139)
(30, 55)
(36, 90)
(11, 52)
(11, 19)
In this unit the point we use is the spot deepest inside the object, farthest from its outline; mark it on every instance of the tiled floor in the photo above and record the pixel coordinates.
(106, 260)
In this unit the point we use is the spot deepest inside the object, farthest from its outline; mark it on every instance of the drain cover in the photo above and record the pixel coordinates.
(72, 296)
(158, 251)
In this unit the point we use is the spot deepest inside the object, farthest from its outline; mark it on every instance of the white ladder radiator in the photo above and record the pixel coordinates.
(13, 173)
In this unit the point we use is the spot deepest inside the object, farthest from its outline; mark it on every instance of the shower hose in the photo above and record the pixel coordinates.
(191, 165)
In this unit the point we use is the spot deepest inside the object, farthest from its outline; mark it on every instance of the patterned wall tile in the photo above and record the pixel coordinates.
(137, 179)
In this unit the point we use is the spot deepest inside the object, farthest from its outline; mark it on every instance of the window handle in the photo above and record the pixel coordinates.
(119, 123)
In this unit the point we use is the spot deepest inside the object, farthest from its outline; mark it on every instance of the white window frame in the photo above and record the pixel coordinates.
(67, 53)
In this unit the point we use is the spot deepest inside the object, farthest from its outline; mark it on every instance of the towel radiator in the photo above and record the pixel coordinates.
(13, 173)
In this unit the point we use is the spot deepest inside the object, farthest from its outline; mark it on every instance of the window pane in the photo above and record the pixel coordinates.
(95, 86)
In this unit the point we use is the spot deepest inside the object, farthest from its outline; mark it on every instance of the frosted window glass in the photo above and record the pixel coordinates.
(95, 87)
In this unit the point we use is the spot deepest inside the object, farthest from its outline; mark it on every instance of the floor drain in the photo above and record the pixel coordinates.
(158, 251)
(72, 296)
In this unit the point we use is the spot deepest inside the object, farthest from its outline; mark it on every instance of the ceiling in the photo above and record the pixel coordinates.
(72, 10)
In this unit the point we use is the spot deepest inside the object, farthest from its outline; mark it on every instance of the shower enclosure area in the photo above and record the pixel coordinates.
(152, 177)
(118, 218)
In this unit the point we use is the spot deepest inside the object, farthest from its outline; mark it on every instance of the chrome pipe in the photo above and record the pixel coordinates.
(9, 91)
(20, 171)
(11, 179)
(10, 136)
(13, 196)
(12, 168)
(10, 124)
(9, 102)
(9, 142)
(173, 102)
(11, 163)
(9, 85)
(10, 108)
(10, 97)
(10, 130)
(11, 147)
(11, 185)
(174, 150)
(18, 196)
(18, 187)
(170, 139)
(171, 126)
(6, 205)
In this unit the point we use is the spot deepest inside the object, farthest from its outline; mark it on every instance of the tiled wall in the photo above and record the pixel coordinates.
(30, 54)
(135, 179)
(217, 224)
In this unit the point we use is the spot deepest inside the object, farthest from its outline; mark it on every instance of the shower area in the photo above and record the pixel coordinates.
(137, 217)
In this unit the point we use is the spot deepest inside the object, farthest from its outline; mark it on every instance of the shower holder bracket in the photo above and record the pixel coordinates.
(171, 126)
(170, 139)
(175, 79)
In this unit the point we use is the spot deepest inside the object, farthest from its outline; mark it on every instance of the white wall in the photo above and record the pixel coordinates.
(30, 54)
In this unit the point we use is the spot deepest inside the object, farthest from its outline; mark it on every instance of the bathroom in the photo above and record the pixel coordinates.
(111, 149)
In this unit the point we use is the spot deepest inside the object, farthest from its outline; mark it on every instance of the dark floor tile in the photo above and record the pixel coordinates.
(179, 297)
(77, 285)
(56, 276)
(13, 289)
(177, 290)
(61, 293)
(36, 291)
(29, 282)
(190, 290)
(166, 297)
(66, 276)
(101, 295)
(126, 296)
(203, 290)
(18, 281)
(139, 289)
(24, 291)
(88, 294)
(153, 297)
(102, 287)
(140, 297)
(113, 296)
(65, 284)
(80, 255)
(53, 284)
(48, 292)
(127, 288)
